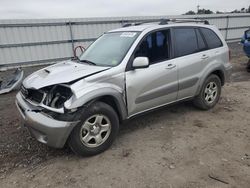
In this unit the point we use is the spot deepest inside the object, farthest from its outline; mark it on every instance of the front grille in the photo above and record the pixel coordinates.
(31, 94)
(24, 91)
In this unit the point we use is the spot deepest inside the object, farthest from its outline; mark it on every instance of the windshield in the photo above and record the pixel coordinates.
(109, 49)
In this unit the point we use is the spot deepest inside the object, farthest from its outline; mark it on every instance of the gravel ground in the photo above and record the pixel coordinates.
(178, 146)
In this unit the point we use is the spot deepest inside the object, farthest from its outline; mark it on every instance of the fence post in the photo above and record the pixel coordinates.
(71, 37)
(227, 24)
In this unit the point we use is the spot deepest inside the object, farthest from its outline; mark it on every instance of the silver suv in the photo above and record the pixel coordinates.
(125, 72)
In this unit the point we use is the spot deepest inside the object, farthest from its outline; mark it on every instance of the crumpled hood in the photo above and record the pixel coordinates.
(63, 72)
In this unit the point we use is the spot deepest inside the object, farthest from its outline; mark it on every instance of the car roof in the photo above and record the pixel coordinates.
(152, 26)
(133, 28)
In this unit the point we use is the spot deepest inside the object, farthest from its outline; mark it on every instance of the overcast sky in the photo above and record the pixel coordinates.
(100, 8)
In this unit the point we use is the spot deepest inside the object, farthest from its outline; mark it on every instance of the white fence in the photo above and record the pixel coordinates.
(50, 40)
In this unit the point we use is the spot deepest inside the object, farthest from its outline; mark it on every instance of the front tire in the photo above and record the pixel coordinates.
(209, 94)
(96, 131)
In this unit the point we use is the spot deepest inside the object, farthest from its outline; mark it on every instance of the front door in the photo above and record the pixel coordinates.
(156, 85)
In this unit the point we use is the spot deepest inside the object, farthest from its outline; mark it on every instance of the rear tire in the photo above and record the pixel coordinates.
(209, 94)
(96, 131)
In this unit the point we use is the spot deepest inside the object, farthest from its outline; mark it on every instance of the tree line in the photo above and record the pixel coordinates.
(208, 11)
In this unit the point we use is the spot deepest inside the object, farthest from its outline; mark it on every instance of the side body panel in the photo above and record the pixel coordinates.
(151, 87)
(218, 60)
(193, 69)
(189, 73)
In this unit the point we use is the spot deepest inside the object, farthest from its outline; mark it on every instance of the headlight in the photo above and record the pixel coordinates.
(56, 95)
(33, 95)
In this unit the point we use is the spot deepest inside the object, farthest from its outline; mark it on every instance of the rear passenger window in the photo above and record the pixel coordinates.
(185, 41)
(200, 41)
(213, 41)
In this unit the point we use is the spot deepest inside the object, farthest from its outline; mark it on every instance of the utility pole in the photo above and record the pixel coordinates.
(198, 8)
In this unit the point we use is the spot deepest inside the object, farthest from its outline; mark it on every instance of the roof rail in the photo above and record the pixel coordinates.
(183, 20)
(132, 24)
(165, 21)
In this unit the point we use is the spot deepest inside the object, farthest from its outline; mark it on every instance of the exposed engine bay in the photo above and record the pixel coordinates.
(56, 96)
(52, 96)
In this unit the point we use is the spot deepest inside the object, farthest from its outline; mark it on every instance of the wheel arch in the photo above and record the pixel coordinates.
(218, 72)
(107, 95)
(114, 103)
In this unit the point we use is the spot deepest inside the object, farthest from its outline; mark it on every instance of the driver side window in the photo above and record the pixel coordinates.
(155, 46)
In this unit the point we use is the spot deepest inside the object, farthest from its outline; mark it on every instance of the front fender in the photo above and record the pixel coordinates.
(98, 90)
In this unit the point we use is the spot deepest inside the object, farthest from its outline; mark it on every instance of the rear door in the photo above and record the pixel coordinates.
(190, 57)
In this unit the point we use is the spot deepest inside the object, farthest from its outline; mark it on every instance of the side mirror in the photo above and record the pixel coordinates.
(140, 62)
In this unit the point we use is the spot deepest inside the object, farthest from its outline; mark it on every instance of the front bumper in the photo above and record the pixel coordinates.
(45, 129)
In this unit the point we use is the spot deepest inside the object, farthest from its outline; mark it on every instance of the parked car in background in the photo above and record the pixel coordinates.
(124, 73)
(246, 42)
(246, 46)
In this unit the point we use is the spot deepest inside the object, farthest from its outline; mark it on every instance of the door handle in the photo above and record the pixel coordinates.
(171, 66)
(204, 56)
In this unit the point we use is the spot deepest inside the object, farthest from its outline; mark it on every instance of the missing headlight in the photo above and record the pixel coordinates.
(56, 96)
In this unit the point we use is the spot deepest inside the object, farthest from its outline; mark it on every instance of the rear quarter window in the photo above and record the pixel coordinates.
(201, 43)
(213, 41)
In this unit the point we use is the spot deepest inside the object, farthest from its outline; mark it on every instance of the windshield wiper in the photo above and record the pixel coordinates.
(87, 61)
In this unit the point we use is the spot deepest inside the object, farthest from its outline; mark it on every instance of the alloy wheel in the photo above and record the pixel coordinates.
(95, 130)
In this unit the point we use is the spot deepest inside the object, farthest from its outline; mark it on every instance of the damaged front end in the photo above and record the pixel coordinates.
(44, 113)
(43, 98)
(56, 96)
(50, 97)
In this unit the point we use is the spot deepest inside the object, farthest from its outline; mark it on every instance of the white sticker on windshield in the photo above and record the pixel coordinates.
(128, 34)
